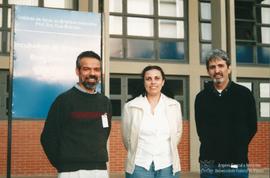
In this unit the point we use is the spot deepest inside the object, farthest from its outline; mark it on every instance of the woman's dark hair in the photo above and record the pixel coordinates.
(140, 90)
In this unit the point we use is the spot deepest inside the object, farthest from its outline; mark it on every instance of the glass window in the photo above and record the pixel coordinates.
(246, 84)
(9, 18)
(243, 9)
(263, 55)
(140, 7)
(265, 35)
(140, 26)
(172, 8)
(265, 109)
(140, 49)
(130, 84)
(206, 31)
(115, 5)
(116, 47)
(115, 86)
(205, 48)
(171, 50)
(146, 23)
(67, 4)
(1, 17)
(116, 107)
(175, 86)
(0, 41)
(265, 15)
(245, 30)
(265, 90)
(115, 25)
(261, 91)
(252, 31)
(8, 41)
(171, 29)
(134, 85)
(205, 11)
(244, 53)
(24, 2)
(265, 2)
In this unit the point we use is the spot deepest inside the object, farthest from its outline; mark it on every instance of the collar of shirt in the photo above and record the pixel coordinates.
(83, 90)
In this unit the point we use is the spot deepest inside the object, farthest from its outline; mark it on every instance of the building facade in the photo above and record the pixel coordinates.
(174, 34)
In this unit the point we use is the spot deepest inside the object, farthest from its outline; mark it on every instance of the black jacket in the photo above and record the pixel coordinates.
(225, 123)
(73, 137)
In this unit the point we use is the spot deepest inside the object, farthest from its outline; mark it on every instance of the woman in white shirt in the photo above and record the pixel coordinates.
(151, 130)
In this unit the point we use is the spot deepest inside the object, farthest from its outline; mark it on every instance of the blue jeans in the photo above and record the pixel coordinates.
(211, 170)
(141, 172)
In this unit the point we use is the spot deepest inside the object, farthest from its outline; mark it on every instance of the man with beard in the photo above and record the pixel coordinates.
(226, 121)
(78, 125)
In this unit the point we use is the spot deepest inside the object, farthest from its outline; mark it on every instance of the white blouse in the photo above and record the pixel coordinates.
(154, 138)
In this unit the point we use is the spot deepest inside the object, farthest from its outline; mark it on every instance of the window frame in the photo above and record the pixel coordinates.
(5, 30)
(155, 38)
(124, 96)
(254, 43)
(201, 21)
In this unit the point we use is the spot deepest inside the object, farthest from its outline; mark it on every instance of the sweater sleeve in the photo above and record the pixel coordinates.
(125, 126)
(198, 115)
(50, 134)
(109, 117)
(252, 117)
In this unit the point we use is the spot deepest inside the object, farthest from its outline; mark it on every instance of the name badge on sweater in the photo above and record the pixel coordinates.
(104, 118)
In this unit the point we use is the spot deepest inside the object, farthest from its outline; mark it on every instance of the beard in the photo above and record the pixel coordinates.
(90, 85)
(218, 80)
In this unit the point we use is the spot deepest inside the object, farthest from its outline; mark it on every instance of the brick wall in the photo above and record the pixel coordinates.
(29, 159)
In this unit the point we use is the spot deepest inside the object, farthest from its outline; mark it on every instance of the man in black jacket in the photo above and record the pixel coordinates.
(78, 124)
(226, 121)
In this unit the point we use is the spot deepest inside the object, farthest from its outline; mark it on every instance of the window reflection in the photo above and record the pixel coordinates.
(140, 26)
(115, 5)
(172, 8)
(0, 41)
(244, 53)
(134, 85)
(265, 90)
(115, 86)
(246, 84)
(265, 15)
(115, 25)
(171, 29)
(205, 11)
(116, 107)
(265, 2)
(206, 31)
(175, 86)
(265, 109)
(171, 50)
(1, 17)
(67, 4)
(265, 35)
(140, 7)
(244, 9)
(244, 30)
(116, 47)
(205, 48)
(140, 49)
(24, 2)
(263, 55)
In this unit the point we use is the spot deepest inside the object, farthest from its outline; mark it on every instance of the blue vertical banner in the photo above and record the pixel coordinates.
(46, 43)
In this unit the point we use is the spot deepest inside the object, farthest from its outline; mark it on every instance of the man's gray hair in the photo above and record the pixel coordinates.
(217, 53)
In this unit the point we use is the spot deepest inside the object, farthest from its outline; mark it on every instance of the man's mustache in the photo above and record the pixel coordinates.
(92, 77)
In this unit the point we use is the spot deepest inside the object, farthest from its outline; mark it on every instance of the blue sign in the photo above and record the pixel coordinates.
(46, 43)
